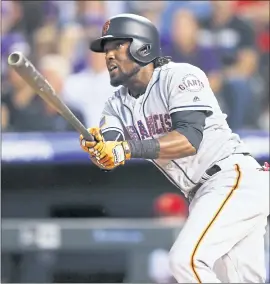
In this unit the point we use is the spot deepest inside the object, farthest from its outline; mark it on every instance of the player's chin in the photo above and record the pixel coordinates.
(116, 81)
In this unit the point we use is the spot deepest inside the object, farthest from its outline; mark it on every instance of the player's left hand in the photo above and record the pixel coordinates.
(111, 153)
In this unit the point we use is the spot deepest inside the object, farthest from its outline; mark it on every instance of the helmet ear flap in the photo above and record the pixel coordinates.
(141, 51)
(145, 50)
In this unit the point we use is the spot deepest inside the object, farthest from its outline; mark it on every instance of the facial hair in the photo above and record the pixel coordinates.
(122, 77)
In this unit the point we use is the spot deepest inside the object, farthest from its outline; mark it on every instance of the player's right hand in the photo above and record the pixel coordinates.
(101, 166)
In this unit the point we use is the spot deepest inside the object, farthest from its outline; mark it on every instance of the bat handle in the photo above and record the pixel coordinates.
(86, 135)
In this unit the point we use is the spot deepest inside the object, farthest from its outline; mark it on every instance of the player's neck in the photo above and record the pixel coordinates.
(138, 83)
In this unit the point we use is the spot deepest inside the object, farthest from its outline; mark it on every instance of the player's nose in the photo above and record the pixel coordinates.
(110, 55)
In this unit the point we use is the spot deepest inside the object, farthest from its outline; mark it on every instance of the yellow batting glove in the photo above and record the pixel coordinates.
(106, 155)
(96, 162)
(87, 146)
(111, 154)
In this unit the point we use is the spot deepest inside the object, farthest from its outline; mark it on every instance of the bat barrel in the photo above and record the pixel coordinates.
(42, 87)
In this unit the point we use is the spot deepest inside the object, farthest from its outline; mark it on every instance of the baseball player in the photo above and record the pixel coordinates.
(166, 112)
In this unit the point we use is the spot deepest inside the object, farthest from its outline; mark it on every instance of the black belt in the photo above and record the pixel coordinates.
(208, 173)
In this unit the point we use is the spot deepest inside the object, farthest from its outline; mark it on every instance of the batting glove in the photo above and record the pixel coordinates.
(107, 155)
(112, 153)
(88, 146)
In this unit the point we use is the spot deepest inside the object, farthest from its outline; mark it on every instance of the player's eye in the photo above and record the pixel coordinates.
(115, 47)
(119, 45)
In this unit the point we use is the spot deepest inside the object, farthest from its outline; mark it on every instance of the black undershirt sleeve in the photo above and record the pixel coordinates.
(113, 135)
(190, 124)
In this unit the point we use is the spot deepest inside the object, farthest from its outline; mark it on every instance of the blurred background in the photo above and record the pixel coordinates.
(65, 221)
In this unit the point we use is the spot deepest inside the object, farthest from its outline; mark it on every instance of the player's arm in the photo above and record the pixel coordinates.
(188, 107)
(184, 139)
(188, 98)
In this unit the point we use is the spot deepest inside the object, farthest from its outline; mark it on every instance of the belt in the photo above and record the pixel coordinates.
(209, 173)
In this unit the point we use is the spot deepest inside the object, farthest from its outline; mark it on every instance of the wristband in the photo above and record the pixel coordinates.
(146, 149)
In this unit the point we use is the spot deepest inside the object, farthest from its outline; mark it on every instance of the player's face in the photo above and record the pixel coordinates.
(119, 63)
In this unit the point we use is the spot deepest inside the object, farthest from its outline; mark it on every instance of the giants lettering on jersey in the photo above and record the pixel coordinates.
(155, 124)
(191, 83)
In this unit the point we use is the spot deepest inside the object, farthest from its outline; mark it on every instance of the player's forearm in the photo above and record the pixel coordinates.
(171, 146)
(174, 145)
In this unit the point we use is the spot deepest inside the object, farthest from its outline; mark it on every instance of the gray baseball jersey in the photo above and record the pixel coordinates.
(174, 87)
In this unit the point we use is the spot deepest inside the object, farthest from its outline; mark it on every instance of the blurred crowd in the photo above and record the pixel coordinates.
(229, 40)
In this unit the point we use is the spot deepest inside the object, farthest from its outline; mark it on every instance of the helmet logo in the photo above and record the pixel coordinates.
(106, 27)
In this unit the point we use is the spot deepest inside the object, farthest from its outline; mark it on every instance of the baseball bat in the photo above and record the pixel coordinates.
(30, 74)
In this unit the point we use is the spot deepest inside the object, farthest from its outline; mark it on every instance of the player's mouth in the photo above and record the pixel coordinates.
(112, 68)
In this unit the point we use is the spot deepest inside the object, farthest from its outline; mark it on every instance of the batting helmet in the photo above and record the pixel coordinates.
(144, 36)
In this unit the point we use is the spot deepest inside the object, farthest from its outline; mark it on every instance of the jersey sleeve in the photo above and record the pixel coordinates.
(189, 89)
(110, 121)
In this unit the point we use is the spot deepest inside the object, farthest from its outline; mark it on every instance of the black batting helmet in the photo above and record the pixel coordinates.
(144, 36)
